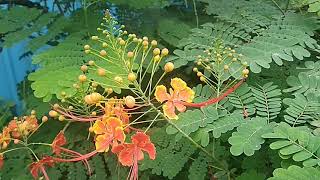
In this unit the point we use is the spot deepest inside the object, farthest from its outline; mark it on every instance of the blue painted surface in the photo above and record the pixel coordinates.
(12, 71)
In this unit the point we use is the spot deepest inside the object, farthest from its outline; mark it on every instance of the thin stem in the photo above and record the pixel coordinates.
(196, 12)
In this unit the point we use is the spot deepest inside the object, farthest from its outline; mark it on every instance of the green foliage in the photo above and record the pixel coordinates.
(251, 175)
(247, 138)
(313, 5)
(172, 31)
(171, 155)
(5, 111)
(296, 172)
(268, 103)
(297, 143)
(301, 109)
(198, 168)
(141, 4)
(307, 81)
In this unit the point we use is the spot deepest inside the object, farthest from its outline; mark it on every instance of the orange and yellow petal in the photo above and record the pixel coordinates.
(180, 107)
(186, 95)
(140, 137)
(103, 142)
(169, 110)
(114, 122)
(178, 84)
(161, 93)
(119, 134)
(99, 127)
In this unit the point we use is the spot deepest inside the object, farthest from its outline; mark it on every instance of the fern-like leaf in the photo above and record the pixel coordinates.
(268, 102)
(247, 138)
(297, 143)
(296, 172)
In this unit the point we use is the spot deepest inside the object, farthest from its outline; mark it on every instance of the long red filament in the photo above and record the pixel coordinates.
(213, 100)
(76, 118)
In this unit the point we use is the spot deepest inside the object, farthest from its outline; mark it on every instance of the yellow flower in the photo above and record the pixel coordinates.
(179, 92)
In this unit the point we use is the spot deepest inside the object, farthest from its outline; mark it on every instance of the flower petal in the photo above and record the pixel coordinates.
(119, 134)
(114, 122)
(150, 149)
(99, 127)
(186, 95)
(178, 84)
(169, 110)
(126, 157)
(161, 93)
(180, 107)
(101, 143)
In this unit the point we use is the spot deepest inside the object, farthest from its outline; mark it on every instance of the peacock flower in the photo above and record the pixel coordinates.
(36, 167)
(179, 92)
(4, 138)
(108, 130)
(58, 141)
(130, 153)
(114, 108)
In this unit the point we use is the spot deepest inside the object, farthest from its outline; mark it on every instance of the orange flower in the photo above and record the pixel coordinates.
(108, 130)
(130, 153)
(5, 138)
(180, 93)
(35, 167)
(59, 141)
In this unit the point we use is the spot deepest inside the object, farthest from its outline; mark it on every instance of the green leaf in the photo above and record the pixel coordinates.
(295, 172)
(198, 169)
(247, 138)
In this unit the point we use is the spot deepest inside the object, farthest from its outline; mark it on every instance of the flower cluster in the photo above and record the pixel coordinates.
(18, 129)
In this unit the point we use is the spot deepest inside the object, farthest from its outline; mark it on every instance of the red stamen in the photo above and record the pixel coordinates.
(43, 170)
(213, 100)
(76, 118)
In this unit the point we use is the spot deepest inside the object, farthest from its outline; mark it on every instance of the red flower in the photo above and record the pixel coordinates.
(130, 153)
(59, 141)
(35, 167)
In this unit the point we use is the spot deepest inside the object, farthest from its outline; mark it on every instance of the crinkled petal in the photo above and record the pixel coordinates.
(100, 143)
(99, 127)
(140, 139)
(178, 84)
(150, 149)
(161, 93)
(186, 95)
(126, 157)
(119, 134)
(114, 122)
(180, 107)
(169, 110)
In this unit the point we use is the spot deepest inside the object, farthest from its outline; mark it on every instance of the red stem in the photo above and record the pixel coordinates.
(213, 100)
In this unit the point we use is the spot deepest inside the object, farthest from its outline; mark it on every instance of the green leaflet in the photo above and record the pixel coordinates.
(296, 172)
(267, 100)
(251, 175)
(307, 81)
(301, 109)
(173, 30)
(296, 143)
(247, 139)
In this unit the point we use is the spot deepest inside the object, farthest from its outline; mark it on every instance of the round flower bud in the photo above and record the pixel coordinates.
(199, 74)
(245, 72)
(87, 51)
(145, 38)
(156, 51)
(118, 79)
(16, 141)
(202, 78)
(122, 42)
(53, 113)
(154, 43)
(86, 47)
(145, 43)
(61, 118)
(91, 129)
(109, 90)
(103, 53)
(132, 77)
(82, 78)
(156, 58)
(130, 101)
(44, 119)
(84, 68)
(168, 67)
(91, 63)
(33, 112)
(195, 69)
(93, 113)
(130, 54)
(94, 37)
(104, 45)
(225, 67)
(164, 52)
(101, 72)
